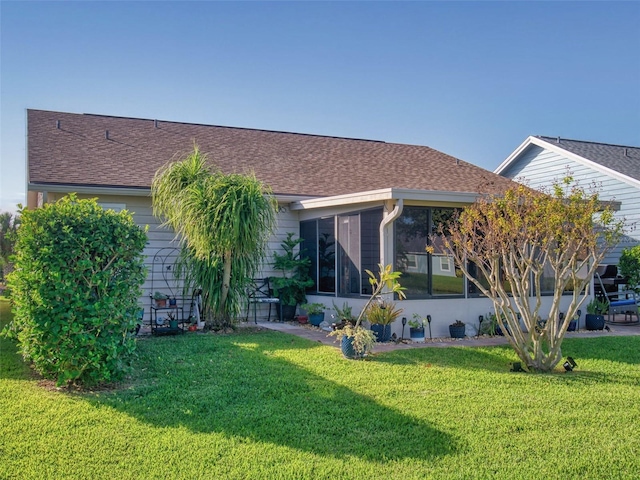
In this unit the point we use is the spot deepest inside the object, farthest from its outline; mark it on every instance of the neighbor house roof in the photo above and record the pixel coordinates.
(624, 160)
(103, 151)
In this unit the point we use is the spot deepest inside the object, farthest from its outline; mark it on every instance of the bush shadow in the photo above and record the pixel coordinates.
(242, 386)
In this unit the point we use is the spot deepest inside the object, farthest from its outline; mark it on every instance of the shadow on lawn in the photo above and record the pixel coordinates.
(500, 358)
(243, 388)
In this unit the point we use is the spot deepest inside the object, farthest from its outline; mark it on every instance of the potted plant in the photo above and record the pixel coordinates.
(594, 319)
(160, 299)
(489, 325)
(355, 340)
(315, 312)
(343, 315)
(173, 321)
(381, 315)
(456, 329)
(416, 328)
(294, 279)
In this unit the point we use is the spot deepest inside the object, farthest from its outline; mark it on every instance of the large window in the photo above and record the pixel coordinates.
(423, 274)
(341, 249)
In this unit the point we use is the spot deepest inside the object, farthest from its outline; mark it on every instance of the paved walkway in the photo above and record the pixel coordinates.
(315, 334)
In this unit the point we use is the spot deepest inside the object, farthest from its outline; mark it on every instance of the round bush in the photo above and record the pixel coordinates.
(75, 287)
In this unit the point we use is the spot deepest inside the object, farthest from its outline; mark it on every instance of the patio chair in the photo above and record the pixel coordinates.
(260, 292)
(623, 303)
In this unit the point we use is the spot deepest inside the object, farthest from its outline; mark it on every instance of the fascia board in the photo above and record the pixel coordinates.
(407, 195)
(89, 190)
(119, 191)
(516, 153)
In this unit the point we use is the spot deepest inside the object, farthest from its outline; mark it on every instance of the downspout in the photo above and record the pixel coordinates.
(386, 220)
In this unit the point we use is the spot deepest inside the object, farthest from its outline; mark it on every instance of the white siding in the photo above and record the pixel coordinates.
(161, 237)
(538, 167)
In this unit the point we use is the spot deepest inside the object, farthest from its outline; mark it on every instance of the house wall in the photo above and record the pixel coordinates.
(161, 243)
(540, 167)
(443, 311)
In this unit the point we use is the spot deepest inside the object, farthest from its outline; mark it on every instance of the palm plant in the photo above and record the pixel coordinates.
(223, 222)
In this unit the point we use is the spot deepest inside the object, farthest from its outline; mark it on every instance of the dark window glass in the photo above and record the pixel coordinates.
(309, 249)
(446, 278)
(411, 258)
(369, 246)
(326, 255)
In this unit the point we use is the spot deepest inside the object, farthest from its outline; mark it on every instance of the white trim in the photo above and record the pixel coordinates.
(433, 197)
(572, 156)
(89, 190)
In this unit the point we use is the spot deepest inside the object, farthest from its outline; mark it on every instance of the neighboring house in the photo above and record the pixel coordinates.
(356, 203)
(614, 169)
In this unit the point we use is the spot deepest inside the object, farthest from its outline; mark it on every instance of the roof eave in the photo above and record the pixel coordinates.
(381, 195)
(558, 149)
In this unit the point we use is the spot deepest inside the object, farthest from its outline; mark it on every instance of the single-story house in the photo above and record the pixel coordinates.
(356, 203)
(614, 169)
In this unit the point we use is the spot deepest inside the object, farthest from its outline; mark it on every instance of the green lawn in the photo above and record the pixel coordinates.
(268, 405)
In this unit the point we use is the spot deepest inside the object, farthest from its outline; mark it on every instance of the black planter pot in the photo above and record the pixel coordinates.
(594, 322)
(382, 332)
(416, 333)
(457, 331)
(286, 313)
(572, 326)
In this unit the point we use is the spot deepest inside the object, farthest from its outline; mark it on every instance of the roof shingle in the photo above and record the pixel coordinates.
(622, 159)
(74, 149)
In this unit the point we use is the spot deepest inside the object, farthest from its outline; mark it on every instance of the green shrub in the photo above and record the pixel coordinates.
(78, 272)
(629, 266)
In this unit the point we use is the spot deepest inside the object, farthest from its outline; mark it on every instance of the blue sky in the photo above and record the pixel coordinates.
(472, 79)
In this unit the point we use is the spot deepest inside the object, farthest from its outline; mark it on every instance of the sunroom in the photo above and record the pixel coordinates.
(346, 235)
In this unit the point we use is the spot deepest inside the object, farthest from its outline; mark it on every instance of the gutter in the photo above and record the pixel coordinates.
(389, 218)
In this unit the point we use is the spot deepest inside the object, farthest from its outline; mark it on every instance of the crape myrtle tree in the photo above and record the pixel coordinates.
(75, 288)
(505, 244)
(223, 223)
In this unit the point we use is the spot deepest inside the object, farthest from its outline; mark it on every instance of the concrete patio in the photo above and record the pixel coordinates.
(318, 335)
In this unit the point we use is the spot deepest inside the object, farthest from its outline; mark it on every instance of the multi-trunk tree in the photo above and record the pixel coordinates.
(508, 244)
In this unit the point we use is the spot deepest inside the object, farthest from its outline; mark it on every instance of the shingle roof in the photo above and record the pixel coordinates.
(623, 159)
(73, 149)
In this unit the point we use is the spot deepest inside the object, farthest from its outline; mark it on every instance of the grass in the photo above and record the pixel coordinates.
(268, 405)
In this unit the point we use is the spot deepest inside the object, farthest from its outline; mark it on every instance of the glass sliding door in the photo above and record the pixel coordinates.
(349, 254)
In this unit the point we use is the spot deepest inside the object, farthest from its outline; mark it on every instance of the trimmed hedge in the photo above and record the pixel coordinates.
(75, 288)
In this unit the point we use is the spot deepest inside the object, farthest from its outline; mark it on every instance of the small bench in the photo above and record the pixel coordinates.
(623, 303)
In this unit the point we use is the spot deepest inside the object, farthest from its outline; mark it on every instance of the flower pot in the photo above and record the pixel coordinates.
(286, 313)
(173, 302)
(416, 334)
(302, 319)
(346, 347)
(382, 332)
(572, 326)
(594, 322)
(173, 324)
(457, 331)
(161, 302)
(316, 319)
